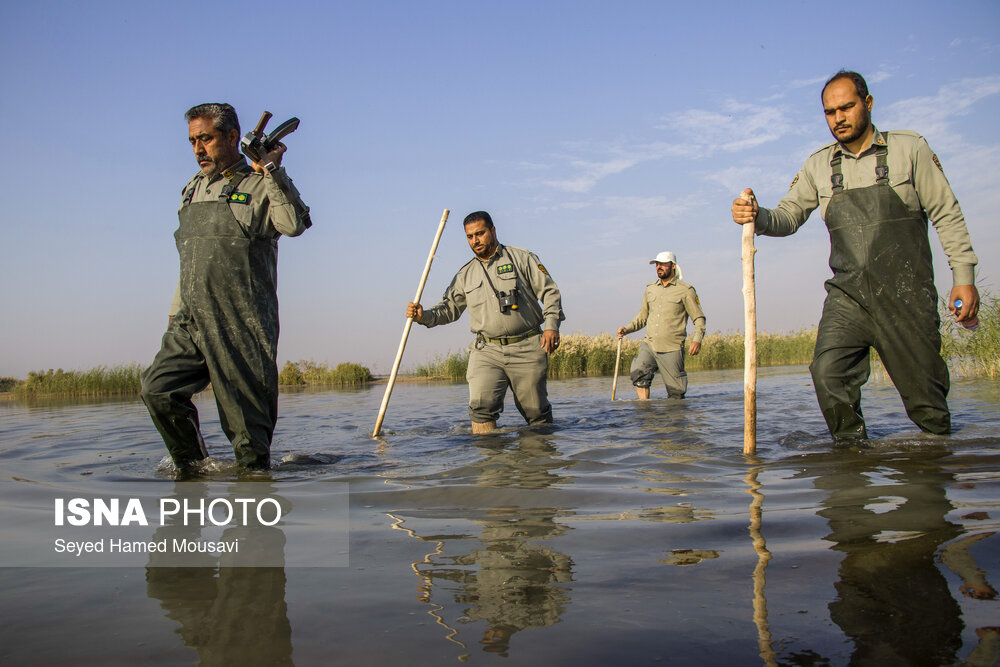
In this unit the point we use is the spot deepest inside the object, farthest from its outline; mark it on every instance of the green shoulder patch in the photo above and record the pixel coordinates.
(505, 268)
(543, 269)
(239, 198)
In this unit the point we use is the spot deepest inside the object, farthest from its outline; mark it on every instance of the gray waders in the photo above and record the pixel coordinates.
(881, 295)
(226, 333)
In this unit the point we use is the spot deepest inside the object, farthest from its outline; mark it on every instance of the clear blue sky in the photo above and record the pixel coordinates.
(596, 133)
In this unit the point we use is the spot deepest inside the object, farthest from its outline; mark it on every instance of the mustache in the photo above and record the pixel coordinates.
(203, 158)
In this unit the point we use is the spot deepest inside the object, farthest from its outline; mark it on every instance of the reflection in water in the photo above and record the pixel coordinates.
(513, 580)
(230, 615)
(887, 514)
(760, 571)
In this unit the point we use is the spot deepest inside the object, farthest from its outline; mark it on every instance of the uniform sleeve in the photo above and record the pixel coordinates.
(286, 212)
(793, 209)
(546, 292)
(938, 200)
(450, 308)
(693, 307)
(639, 321)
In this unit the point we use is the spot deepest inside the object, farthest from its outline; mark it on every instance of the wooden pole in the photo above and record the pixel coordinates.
(618, 358)
(406, 328)
(749, 339)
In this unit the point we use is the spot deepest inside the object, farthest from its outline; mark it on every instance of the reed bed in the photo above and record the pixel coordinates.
(581, 354)
(100, 381)
(974, 354)
(309, 373)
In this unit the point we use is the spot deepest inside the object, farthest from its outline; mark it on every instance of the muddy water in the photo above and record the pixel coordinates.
(627, 533)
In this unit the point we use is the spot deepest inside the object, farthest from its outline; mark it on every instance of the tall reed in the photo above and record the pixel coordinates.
(309, 373)
(99, 381)
(973, 353)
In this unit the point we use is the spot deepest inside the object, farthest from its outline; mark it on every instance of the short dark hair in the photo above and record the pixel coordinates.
(222, 115)
(476, 216)
(860, 85)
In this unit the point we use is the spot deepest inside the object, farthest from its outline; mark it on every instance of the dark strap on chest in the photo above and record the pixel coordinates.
(881, 166)
(232, 185)
(227, 189)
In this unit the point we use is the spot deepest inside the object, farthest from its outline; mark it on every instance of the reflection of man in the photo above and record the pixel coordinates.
(224, 319)
(892, 600)
(876, 190)
(502, 287)
(666, 306)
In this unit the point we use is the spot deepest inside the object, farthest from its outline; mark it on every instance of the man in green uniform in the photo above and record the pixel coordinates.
(502, 287)
(876, 191)
(667, 304)
(224, 319)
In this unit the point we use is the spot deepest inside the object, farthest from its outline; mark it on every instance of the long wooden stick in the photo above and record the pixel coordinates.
(749, 340)
(406, 327)
(618, 358)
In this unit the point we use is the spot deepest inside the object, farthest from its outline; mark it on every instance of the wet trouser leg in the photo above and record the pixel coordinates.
(245, 384)
(643, 367)
(911, 353)
(909, 349)
(841, 365)
(527, 370)
(177, 373)
(670, 365)
(523, 367)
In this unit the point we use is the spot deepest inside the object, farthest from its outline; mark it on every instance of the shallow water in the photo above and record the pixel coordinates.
(628, 532)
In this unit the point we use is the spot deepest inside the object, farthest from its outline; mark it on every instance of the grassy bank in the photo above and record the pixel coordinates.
(125, 380)
(120, 380)
(309, 373)
(580, 354)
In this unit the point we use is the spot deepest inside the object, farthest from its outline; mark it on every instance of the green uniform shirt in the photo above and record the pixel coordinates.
(268, 207)
(915, 174)
(664, 312)
(508, 267)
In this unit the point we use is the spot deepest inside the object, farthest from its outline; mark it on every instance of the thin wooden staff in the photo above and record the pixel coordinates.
(749, 338)
(406, 328)
(618, 358)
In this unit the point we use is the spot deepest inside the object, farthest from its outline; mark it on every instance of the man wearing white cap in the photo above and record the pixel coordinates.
(666, 307)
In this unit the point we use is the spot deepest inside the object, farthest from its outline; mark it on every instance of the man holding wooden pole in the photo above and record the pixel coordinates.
(667, 304)
(876, 191)
(502, 287)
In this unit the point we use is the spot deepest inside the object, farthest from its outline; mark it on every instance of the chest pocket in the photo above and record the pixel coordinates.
(902, 184)
(475, 291)
(508, 279)
(244, 215)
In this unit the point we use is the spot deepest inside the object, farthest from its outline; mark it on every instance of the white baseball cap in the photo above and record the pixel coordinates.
(664, 257)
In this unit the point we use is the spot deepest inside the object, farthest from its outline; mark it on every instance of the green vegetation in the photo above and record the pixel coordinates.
(100, 381)
(7, 383)
(300, 373)
(580, 354)
(974, 353)
(452, 367)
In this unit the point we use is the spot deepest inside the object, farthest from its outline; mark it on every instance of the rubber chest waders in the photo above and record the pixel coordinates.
(227, 329)
(881, 295)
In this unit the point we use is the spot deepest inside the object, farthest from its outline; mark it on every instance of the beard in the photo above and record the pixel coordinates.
(857, 131)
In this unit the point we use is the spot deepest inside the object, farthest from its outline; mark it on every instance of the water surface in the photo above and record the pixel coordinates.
(627, 533)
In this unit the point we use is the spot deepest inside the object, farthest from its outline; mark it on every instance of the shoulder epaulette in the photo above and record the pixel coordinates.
(823, 148)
